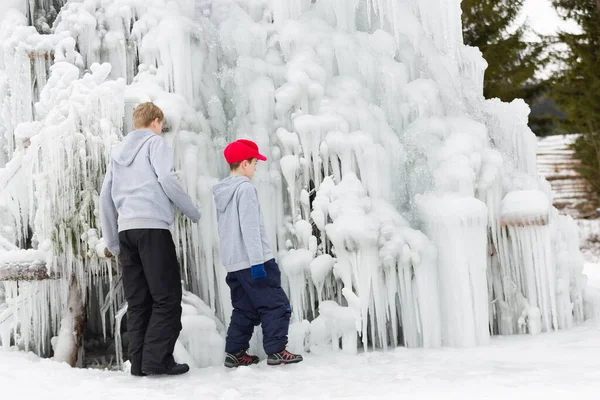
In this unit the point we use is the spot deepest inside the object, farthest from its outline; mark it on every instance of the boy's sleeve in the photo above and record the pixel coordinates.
(161, 159)
(248, 209)
(108, 214)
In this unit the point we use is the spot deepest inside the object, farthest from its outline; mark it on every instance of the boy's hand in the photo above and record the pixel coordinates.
(258, 271)
(107, 253)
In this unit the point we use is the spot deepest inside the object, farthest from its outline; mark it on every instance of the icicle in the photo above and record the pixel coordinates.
(118, 343)
(34, 309)
(529, 257)
(288, 10)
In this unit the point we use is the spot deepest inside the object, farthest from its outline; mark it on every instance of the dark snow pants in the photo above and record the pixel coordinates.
(255, 301)
(152, 284)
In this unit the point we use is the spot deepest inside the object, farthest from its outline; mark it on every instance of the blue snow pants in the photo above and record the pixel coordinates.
(255, 302)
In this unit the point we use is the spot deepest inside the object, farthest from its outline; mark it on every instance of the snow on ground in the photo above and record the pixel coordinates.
(522, 367)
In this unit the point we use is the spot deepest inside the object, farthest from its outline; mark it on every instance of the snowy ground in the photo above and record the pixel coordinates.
(522, 367)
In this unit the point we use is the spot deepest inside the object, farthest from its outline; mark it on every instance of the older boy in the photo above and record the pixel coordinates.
(253, 275)
(141, 187)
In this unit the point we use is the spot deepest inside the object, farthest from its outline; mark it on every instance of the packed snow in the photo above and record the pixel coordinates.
(405, 208)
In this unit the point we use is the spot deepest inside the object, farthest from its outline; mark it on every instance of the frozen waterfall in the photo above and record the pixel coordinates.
(404, 207)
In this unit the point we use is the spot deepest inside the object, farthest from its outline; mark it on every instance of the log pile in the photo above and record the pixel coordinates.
(556, 162)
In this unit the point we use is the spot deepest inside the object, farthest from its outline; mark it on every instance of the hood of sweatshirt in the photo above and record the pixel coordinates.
(224, 190)
(125, 152)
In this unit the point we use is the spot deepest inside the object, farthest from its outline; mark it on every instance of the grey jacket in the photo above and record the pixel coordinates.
(242, 235)
(141, 187)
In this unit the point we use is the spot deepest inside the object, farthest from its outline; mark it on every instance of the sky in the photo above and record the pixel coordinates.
(542, 17)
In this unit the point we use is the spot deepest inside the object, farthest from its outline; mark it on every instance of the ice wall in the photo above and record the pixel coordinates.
(387, 174)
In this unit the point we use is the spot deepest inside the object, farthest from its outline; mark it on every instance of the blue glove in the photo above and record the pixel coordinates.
(258, 271)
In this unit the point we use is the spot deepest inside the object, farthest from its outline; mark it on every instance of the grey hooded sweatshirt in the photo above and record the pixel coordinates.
(242, 235)
(141, 186)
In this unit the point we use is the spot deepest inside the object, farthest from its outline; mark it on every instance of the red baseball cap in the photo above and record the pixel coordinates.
(240, 150)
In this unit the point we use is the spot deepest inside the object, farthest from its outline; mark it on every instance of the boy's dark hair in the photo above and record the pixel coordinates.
(236, 165)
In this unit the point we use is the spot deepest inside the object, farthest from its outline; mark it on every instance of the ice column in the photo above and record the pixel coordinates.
(441, 19)
(507, 125)
(18, 74)
(458, 227)
(570, 282)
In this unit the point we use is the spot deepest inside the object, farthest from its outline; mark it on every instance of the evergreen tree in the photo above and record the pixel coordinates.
(576, 87)
(491, 25)
(513, 62)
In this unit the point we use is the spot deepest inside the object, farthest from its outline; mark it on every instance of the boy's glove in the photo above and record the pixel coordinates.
(258, 271)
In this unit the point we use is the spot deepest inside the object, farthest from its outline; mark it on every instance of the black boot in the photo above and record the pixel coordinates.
(136, 368)
(175, 369)
(241, 358)
(284, 357)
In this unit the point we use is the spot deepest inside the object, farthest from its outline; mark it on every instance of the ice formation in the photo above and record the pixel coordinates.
(404, 207)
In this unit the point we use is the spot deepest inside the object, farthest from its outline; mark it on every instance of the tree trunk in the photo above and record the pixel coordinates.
(72, 326)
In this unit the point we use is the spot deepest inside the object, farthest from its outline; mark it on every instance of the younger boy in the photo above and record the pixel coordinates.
(141, 187)
(252, 273)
